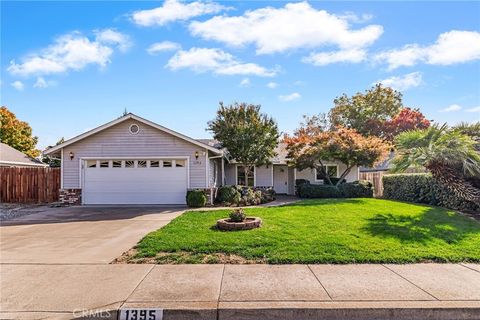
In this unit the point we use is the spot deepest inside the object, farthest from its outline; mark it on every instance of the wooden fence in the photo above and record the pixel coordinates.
(29, 185)
(376, 179)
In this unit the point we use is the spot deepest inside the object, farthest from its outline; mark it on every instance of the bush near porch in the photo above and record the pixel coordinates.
(361, 230)
(422, 188)
(236, 195)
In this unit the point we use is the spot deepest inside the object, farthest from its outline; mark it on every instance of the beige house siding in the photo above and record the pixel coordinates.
(230, 174)
(117, 141)
(263, 176)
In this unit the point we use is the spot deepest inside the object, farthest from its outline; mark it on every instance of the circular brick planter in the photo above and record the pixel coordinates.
(249, 223)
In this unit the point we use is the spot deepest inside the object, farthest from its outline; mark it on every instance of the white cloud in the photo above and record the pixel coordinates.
(404, 82)
(290, 97)
(72, 51)
(347, 56)
(450, 48)
(113, 37)
(163, 46)
(173, 10)
(216, 61)
(475, 109)
(355, 18)
(452, 108)
(245, 82)
(42, 83)
(272, 85)
(18, 85)
(294, 26)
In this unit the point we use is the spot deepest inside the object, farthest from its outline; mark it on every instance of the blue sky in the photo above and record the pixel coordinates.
(67, 67)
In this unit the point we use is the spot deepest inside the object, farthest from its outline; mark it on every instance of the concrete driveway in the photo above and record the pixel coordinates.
(79, 235)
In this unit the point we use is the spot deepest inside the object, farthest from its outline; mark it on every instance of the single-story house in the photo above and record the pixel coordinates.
(11, 157)
(132, 160)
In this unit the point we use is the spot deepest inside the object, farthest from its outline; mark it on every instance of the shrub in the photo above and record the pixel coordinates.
(267, 194)
(250, 197)
(196, 198)
(237, 215)
(422, 188)
(229, 195)
(318, 191)
(357, 189)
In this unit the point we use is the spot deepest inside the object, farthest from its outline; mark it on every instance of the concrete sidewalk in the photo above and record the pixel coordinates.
(375, 291)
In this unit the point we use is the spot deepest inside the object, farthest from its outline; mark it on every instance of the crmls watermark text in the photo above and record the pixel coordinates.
(92, 314)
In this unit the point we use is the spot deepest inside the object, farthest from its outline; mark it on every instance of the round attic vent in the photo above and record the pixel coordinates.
(134, 128)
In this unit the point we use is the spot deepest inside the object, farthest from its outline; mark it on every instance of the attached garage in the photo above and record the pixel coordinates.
(131, 160)
(141, 181)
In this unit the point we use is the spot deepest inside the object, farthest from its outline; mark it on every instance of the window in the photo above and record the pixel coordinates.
(129, 164)
(332, 171)
(180, 163)
(242, 179)
(116, 164)
(134, 128)
(103, 164)
(91, 163)
(154, 164)
(167, 164)
(141, 164)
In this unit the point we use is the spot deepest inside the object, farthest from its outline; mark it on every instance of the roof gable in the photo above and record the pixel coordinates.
(9, 155)
(122, 119)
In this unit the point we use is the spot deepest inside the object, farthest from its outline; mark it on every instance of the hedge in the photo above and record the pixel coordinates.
(422, 188)
(357, 189)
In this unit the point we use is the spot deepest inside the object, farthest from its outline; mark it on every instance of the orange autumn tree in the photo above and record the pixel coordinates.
(309, 148)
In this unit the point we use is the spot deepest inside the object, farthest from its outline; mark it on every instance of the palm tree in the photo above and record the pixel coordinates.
(448, 154)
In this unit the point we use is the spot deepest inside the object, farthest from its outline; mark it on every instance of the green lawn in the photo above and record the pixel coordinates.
(319, 231)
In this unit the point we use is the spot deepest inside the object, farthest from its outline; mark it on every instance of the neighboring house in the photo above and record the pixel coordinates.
(383, 166)
(11, 157)
(134, 161)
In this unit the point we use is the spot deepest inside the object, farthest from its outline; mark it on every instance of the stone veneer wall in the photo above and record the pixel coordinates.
(70, 196)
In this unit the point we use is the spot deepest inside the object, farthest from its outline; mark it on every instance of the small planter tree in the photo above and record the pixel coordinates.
(238, 220)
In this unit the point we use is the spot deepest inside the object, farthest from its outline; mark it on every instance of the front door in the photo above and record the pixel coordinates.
(280, 179)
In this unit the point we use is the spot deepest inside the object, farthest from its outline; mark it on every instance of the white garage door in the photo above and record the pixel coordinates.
(135, 181)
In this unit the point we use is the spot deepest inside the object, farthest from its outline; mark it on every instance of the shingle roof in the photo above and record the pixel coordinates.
(12, 156)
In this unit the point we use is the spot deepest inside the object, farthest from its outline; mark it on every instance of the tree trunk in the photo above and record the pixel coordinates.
(448, 178)
(322, 169)
(343, 175)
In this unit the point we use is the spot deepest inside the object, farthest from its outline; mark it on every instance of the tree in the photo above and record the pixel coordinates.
(17, 134)
(407, 119)
(343, 145)
(53, 162)
(249, 135)
(448, 154)
(366, 112)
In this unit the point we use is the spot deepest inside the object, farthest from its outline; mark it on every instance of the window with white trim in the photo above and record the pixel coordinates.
(103, 164)
(142, 164)
(167, 164)
(243, 179)
(129, 164)
(330, 169)
(154, 164)
(116, 164)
